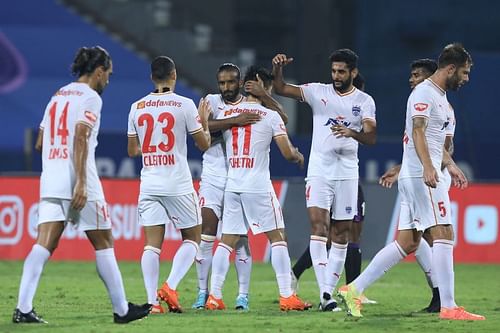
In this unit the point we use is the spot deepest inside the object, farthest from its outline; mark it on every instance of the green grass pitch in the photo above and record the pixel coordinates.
(72, 299)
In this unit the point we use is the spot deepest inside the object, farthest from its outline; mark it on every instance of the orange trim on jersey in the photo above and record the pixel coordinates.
(233, 103)
(224, 246)
(196, 131)
(438, 87)
(369, 118)
(282, 134)
(132, 135)
(344, 94)
(274, 211)
(432, 204)
(161, 93)
(419, 116)
(85, 123)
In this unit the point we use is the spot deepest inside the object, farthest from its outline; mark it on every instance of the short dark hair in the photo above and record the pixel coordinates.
(359, 82)
(454, 54)
(229, 66)
(264, 74)
(87, 59)
(345, 55)
(429, 65)
(161, 68)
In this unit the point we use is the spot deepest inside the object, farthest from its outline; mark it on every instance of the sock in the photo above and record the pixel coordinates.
(302, 264)
(280, 259)
(424, 259)
(384, 260)
(319, 259)
(243, 263)
(108, 271)
(32, 270)
(150, 264)
(183, 259)
(336, 260)
(204, 260)
(442, 267)
(352, 264)
(220, 266)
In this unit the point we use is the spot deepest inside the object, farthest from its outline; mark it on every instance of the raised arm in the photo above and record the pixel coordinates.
(279, 85)
(257, 89)
(202, 137)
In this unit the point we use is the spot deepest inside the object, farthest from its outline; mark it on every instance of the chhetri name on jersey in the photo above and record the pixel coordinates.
(242, 162)
(158, 160)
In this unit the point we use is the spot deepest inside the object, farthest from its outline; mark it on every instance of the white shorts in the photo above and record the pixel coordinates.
(340, 197)
(93, 216)
(423, 207)
(446, 179)
(260, 212)
(183, 210)
(212, 196)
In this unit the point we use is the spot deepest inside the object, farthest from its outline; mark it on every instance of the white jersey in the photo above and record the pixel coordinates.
(162, 121)
(429, 101)
(335, 158)
(72, 104)
(451, 122)
(214, 164)
(247, 149)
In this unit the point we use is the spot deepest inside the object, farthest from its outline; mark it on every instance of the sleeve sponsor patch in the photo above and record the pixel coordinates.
(421, 107)
(283, 128)
(92, 118)
(141, 105)
(198, 119)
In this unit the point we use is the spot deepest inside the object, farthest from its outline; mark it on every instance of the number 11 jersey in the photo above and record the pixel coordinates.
(161, 121)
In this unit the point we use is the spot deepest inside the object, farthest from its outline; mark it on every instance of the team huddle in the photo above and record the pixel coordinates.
(235, 132)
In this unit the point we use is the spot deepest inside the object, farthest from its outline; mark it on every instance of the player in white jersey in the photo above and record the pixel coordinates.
(343, 116)
(213, 179)
(157, 129)
(70, 189)
(248, 199)
(425, 202)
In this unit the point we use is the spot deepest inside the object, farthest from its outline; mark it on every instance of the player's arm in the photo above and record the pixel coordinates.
(421, 146)
(256, 88)
(279, 85)
(39, 140)
(202, 136)
(457, 176)
(133, 146)
(242, 119)
(289, 152)
(449, 146)
(81, 147)
(390, 176)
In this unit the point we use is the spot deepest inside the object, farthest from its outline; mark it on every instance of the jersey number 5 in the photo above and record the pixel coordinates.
(146, 119)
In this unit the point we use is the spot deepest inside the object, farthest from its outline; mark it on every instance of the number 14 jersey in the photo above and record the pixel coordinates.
(161, 121)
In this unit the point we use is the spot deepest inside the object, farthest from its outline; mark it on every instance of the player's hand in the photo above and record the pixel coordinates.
(79, 196)
(431, 177)
(246, 118)
(457, 176)
(255, 88)
(340, 131)
(204, 110)
(281, 60)
(300, 158)
(389, 177)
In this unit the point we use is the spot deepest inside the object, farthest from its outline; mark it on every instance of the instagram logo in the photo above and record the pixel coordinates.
(11, 219)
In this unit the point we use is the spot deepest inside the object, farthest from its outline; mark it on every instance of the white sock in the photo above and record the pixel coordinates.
(424, 259)
(280, 260)
(220, 266)
(108, 270)
(384, 260)
(336, 261)
(243, 263)
(317, 247)
(150, 264)
(183, 259)
(32, 270)
(442, 267)
(204, 260)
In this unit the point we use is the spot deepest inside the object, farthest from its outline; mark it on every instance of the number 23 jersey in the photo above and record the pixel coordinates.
(161, 121)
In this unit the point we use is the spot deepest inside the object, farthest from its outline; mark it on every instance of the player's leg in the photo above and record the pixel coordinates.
(423, 256)
(184, 212)
(243, 263)
(94, 220)
(353, 260)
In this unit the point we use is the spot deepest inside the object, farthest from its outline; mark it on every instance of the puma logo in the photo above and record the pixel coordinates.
(324, 101)
(243, 260)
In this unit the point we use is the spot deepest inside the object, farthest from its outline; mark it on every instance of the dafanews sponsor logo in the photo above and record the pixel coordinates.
(481, 224)
(420, 107)
(158, 104)
(244, 110)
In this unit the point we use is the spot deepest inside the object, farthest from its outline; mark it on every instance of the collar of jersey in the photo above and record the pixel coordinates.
(234, 103)
(161, 93)
(344, 94)
(443, 92)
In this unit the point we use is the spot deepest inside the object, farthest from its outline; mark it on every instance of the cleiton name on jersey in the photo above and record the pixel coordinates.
(241, 162)
(420, 107)
(158, 104)
(152, 160)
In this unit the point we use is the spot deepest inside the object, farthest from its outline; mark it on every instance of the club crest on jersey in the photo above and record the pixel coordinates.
(339, 120)
(421, 107)
(92, 118)
(141, 105)
(348, 209)
(356, 110)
